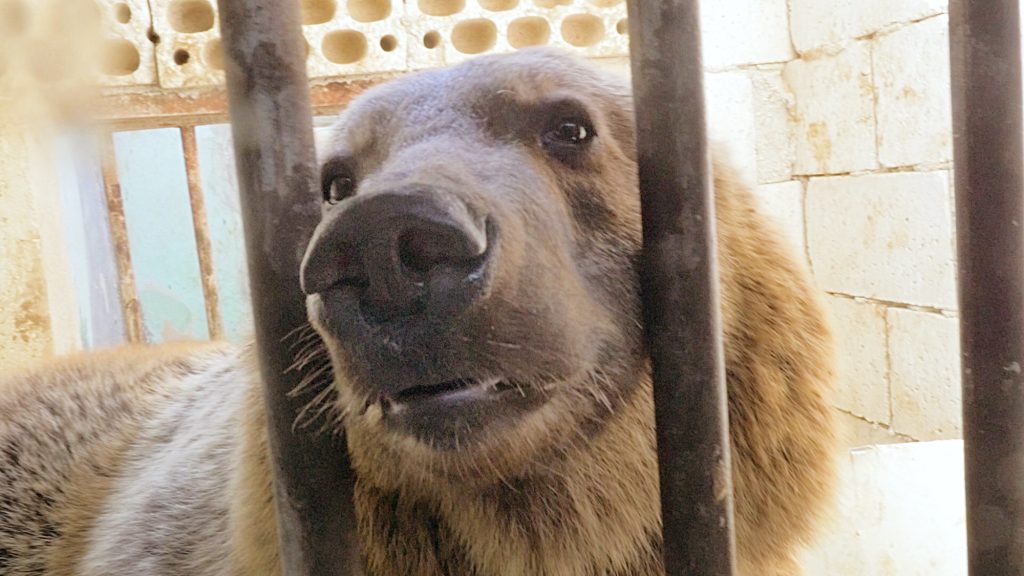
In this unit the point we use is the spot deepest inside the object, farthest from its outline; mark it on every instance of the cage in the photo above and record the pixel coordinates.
(838, 114)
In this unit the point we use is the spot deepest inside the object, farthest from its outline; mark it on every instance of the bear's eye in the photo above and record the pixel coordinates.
(572, 132)
(337, 183)
(568, 138)
(569, 132)
(341, 188)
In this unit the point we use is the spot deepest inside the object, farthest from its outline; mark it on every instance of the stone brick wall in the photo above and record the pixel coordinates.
(843, 125)
(871, 127)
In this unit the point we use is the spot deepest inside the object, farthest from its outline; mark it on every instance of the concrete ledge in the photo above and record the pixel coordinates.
(900, 513)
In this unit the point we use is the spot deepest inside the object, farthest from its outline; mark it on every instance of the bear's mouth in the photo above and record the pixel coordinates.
(449, 391)
(449, 394)
(450, 414)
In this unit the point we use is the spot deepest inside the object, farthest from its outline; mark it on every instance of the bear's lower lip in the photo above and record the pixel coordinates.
(448, 391)
(450, 415)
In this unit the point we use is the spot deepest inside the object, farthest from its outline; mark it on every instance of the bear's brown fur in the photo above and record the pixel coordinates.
(154, 460)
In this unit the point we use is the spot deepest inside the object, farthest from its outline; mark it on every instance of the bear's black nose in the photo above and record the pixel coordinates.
(402, 253)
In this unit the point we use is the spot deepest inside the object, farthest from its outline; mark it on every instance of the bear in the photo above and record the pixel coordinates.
(473, 286)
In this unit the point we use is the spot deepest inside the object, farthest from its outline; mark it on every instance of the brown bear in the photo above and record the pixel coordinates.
(474, 283)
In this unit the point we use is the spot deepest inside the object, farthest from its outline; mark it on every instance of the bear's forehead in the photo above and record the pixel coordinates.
(468, 93)
(528, 76)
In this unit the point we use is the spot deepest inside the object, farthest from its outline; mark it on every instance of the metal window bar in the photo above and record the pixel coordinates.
(119, 237)
(204, 254)
(271, 120)
(186, 115)
(988, 146)
(157, 108)
(130, 304)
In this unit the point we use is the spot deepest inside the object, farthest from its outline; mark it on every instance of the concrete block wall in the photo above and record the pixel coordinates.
(176, 43)
(54, 41)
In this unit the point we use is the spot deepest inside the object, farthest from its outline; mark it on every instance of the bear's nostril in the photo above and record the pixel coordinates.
(421, 250)
(427, 248)
(333, 265)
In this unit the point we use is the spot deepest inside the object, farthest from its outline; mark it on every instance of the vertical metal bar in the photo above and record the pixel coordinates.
(988, 143)
(119, 236)
(202, 231)
(680, 287)
(272, 128)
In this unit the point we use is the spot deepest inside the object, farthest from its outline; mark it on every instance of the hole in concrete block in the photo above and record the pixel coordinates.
(14, 18)
(606, 3)
(122, 13)
(190, 16)
(474, 36)
(441, 7)
(317, 11)
(622, 26)
(582, 30)
(120, 58)
(213, 54)
(499, 5)
(181, 56)
(528, 31)
(431, 39)
(552, 3)
(369, 10)
(388, 43)
(344, 46)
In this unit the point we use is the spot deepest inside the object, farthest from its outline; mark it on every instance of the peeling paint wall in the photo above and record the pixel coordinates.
(25, 317)
(38, 314)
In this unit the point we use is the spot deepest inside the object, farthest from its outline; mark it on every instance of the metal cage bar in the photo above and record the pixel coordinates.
(988, 146)
(272, 125)
(680, 288)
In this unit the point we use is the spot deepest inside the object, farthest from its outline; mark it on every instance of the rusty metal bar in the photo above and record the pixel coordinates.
(202, 231)
(119, 236)
(155, 108)
(271, 120)
(988, 145)
(680, 288)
